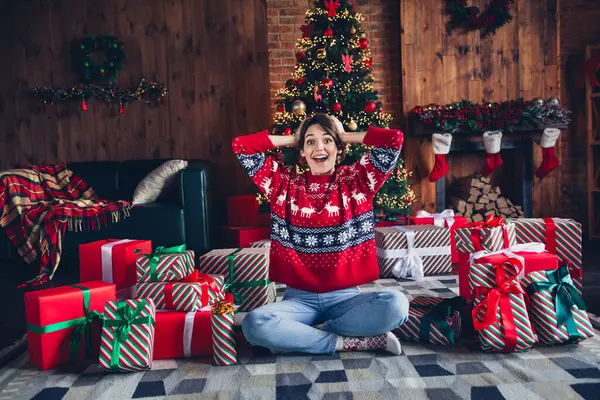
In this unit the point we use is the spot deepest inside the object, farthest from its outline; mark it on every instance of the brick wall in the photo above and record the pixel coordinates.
(381, 24)
(579, 26)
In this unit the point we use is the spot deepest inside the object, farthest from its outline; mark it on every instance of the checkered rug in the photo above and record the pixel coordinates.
(421, 372)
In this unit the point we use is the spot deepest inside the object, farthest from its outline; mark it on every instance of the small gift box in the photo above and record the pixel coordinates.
(246, 273)
(243, 236)
(189, 294)
(500, 312)
(180, 334)
(261, 243)
(415, 251)
(490, 235)
(223, 336)
(64, 323)
(557, 310)
(165, 264)
(562, 237)
(445, 219)
(127, 335)
(433, 320)
(112, 261)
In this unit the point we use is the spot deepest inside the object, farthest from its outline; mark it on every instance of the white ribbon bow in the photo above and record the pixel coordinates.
(188, 332)
(438, 218)
(107, 266)
(533, 247)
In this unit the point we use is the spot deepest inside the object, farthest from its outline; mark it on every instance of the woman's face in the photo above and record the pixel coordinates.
(319, 150)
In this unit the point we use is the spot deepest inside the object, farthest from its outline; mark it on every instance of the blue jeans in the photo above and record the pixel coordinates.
(287, 325)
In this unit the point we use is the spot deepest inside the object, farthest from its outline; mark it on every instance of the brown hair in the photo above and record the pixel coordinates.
(328, 126)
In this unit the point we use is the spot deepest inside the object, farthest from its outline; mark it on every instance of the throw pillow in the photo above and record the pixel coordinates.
(151, 187)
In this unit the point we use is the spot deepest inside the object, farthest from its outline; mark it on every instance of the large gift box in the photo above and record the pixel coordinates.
(180, 334)
(189, 294)
(243, 236)
(433, 320)
(246, 273)
(562, 237)
(414, 250)
(445, 219)
(500, 311)
(165, 264)
(244, 210)
(493, 234)
(557, 311)
(63, 323)
(112, 261)
(127, 335)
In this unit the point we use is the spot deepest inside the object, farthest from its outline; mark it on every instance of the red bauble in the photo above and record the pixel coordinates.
(299, 55)
(363, 43)
(336, 107)
(280, 108)
(370, 106)
(328, 32)
(327, 83)
(300, 81)
(287, 131)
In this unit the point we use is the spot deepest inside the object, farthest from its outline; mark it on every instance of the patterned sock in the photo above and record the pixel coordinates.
(386, 341)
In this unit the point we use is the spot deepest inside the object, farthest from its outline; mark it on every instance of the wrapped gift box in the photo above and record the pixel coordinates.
(491, 235)
(390, 221)
(244, 211)
(112, 261)
(52, 315)
(127, 335)
(408, 248)
(444, 219)
(562, 237)
(223, 335)
(557, 311)
(433, 320)
(500, 313)
(180, 334)
(246, 273)
(243, 236)
(165, 264)
(261, 243)
(190, 294)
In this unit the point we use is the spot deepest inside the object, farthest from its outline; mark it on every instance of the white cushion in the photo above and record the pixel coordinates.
(150, 188)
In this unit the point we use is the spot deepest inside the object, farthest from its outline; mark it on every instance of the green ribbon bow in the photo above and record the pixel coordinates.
(565, 297)
(231, 287)
(154, 257)
(438, 314)
(127, 317)
(83, 326)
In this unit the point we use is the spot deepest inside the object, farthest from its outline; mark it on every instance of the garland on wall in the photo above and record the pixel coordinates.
(469, 19)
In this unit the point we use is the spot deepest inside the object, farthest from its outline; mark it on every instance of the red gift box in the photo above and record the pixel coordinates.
(533, 262)
(443, 220)
(243, 236)
(52, 315)
(180, 334)
(112, 261)
(243, 211)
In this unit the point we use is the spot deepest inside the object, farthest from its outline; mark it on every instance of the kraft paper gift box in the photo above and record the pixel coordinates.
(165, 264)
(414, 250)
(445, 219)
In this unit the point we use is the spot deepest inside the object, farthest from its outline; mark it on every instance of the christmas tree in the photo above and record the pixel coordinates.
(333, 76)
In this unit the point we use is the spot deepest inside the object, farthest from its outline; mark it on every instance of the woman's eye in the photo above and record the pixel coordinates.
(327, 141)
(309, 142)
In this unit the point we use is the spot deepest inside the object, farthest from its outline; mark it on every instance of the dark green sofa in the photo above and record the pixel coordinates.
(181, 215)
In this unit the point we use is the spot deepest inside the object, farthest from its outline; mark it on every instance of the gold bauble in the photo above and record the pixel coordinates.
(363, 35)
(321, 54)
(298, 107)
(353, 30)
(352, 125)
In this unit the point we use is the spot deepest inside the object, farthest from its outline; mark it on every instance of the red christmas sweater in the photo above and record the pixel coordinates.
(322, 230)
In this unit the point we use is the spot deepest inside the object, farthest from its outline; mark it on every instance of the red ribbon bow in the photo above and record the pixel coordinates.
(550, 228)
(490, 222)
(332, 7)
(498, 298)
(204, 280)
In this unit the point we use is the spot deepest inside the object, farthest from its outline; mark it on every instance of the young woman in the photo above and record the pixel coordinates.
(323, 240)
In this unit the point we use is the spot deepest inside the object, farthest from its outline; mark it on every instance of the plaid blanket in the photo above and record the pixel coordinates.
(40, 203)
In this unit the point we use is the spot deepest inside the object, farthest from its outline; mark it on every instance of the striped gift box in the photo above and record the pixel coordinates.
(246, 273)
(127, 335)
(169, 267)
(511, 305)
(185, 296)
(492, 238)
(566, 239)
(261, 243)
(575, 325)
(429, 243)
(441, 329)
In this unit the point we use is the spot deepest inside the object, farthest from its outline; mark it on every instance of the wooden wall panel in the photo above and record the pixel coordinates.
(212, 55)
(521, 60)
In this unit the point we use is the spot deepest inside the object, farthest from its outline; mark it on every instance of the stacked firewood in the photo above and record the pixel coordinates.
(475, 198)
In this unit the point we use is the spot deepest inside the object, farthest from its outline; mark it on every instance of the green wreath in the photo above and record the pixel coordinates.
(495, 16)
(86, 63)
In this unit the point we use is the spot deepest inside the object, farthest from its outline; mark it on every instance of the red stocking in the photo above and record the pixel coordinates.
(441, 146)
(549, 160)
(492, 141)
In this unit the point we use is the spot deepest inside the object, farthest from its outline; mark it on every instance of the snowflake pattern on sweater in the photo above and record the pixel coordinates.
(322, 229)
